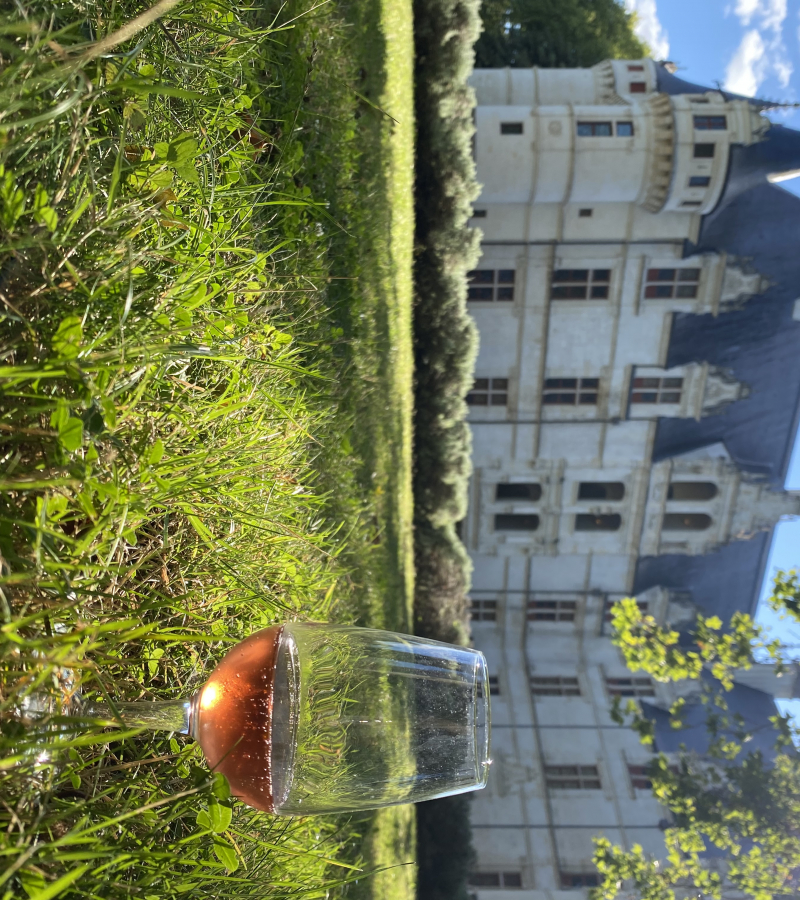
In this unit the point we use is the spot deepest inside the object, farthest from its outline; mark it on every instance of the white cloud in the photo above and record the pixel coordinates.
(649, 28)
(745, 10)
(769, 13)
(747, 68)
(762, 51)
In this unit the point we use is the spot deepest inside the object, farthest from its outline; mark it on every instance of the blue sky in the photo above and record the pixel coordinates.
(751, 47)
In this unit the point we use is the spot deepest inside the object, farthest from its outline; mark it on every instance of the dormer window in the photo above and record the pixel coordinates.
(686, 522)
(594, 129)
(657, 390)
(692, 490)
(704, 151)
(711, 123)
(664, 284)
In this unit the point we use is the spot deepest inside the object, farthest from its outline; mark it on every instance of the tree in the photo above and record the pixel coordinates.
(737, 802)
(555, 33)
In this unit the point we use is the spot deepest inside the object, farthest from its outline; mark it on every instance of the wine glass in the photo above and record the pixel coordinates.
(308, 718)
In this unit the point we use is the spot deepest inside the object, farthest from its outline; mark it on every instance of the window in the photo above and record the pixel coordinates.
(586, 213)
(704, 151)
(624, 129)
(639, 777)
(594, 129)
(554, 686)
(516, 522)
(488, 392)
(496, 879)
(494, 685)
(699, 181)
(518, 491)
(710, 123)
(478, 213)
(574, 778)
(589, 522)
(657, 390)
(688, 203)
(630, 687)
(601, 490)
(511, 128)
(551, 610)
(578, 284)
(667, 283)
(692, 490)
(579, 879)
(490, 284)
(638, 87)
(571, 391)
(483, 610)
(686, 522)
(636, 68)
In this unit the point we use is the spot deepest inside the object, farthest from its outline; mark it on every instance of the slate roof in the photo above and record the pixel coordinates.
(757, 223)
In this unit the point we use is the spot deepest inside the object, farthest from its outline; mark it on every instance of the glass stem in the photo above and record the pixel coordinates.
(162, 715)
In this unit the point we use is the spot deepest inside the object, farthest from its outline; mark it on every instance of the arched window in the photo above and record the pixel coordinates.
(692, 490)
(686, 522)
(584, 522)
(601, 490)
(518, 491)
(515, 522)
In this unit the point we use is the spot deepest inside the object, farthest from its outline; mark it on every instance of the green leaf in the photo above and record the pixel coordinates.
(60, 415)
(226, 855)
(156, 453)
(71, 434)
(109, 412)
(220, 787)
(42, 211)
(203, 820)
(220, 814)
(57, 887)
(12, 197)
(67, 339)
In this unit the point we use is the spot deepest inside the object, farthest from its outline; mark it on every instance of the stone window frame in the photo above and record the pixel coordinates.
(571, 392)
(577, 777)
(703, 122)
(581, 284)
(514, 492)
(569, 880)
(632, 686)
(501, 880)
(483, 610)
(555, 686)
(491, 285)
(551, 610)
(488, 392)
(516, 522)
(639, 778)
(672, 282)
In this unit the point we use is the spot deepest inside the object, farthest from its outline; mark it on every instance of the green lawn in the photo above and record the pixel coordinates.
(205, 387)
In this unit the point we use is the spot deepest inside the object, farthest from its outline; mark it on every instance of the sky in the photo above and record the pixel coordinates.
(750, 47)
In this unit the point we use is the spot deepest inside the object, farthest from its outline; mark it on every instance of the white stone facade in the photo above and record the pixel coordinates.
(592, 185)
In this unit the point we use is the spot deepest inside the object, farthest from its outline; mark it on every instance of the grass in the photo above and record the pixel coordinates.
(205, 376)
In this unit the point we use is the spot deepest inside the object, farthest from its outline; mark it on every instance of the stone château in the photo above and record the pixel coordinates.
(633, 413)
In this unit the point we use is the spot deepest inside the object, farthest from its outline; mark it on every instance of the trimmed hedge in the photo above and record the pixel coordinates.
(445, 345)
(445, 338)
